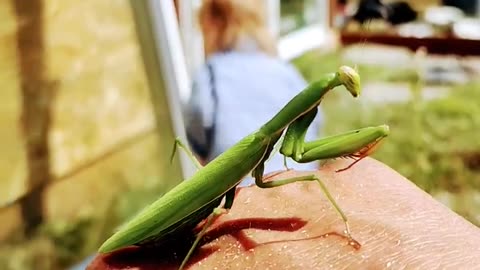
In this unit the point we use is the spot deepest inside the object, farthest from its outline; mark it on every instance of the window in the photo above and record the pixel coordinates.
(296, 14)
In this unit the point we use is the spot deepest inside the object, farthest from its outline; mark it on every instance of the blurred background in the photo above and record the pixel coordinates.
(93, 94)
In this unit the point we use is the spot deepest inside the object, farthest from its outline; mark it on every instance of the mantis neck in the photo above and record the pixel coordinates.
(300, 104)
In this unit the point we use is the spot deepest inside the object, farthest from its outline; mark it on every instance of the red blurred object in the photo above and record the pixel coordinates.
(434, 45)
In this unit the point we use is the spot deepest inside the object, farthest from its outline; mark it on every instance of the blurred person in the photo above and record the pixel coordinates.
(243, 83)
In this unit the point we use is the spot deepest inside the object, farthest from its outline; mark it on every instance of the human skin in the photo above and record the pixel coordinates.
(398, 226)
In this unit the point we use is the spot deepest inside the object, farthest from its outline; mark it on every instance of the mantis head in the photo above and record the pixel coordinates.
(350, 79)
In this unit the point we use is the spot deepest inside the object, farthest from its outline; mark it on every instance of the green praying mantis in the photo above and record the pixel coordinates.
(199, 197)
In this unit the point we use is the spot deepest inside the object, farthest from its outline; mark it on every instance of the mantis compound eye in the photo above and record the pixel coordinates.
(350, 79)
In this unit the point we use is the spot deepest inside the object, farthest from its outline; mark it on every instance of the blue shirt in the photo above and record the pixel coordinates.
(250, 88)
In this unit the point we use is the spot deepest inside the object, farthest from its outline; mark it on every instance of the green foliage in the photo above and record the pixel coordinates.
(434, 143)
(54, 246)
(59, 243)
(69, 238)
(15, 256)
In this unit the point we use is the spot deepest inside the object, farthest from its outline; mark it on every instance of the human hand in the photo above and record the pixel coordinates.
(398, 225)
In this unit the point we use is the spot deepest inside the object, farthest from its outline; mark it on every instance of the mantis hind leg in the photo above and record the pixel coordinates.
(178, 143)
(217, 211)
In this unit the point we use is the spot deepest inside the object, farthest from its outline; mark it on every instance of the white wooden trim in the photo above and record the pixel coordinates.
(307, 38)
(273, 16)
(177, 81)
(296, 43)
(191, 37)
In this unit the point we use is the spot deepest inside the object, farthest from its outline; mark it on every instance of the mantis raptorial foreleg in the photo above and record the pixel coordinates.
(294, 139)
(357, 143)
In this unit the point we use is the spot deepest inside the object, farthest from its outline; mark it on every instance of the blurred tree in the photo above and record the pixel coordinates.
(37, 96)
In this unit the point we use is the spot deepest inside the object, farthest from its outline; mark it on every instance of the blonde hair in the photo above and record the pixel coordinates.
(223, 22)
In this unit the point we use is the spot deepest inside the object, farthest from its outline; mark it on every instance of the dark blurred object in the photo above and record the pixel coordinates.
(394, 13)
(467, 6)
(435, 45)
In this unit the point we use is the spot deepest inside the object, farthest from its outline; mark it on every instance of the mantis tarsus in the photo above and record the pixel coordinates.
(199, 197)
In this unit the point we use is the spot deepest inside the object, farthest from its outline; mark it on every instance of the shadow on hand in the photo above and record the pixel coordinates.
(167, 256)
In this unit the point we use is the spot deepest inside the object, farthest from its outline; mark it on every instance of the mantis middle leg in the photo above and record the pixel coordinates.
(186, 149)
(259, 182)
